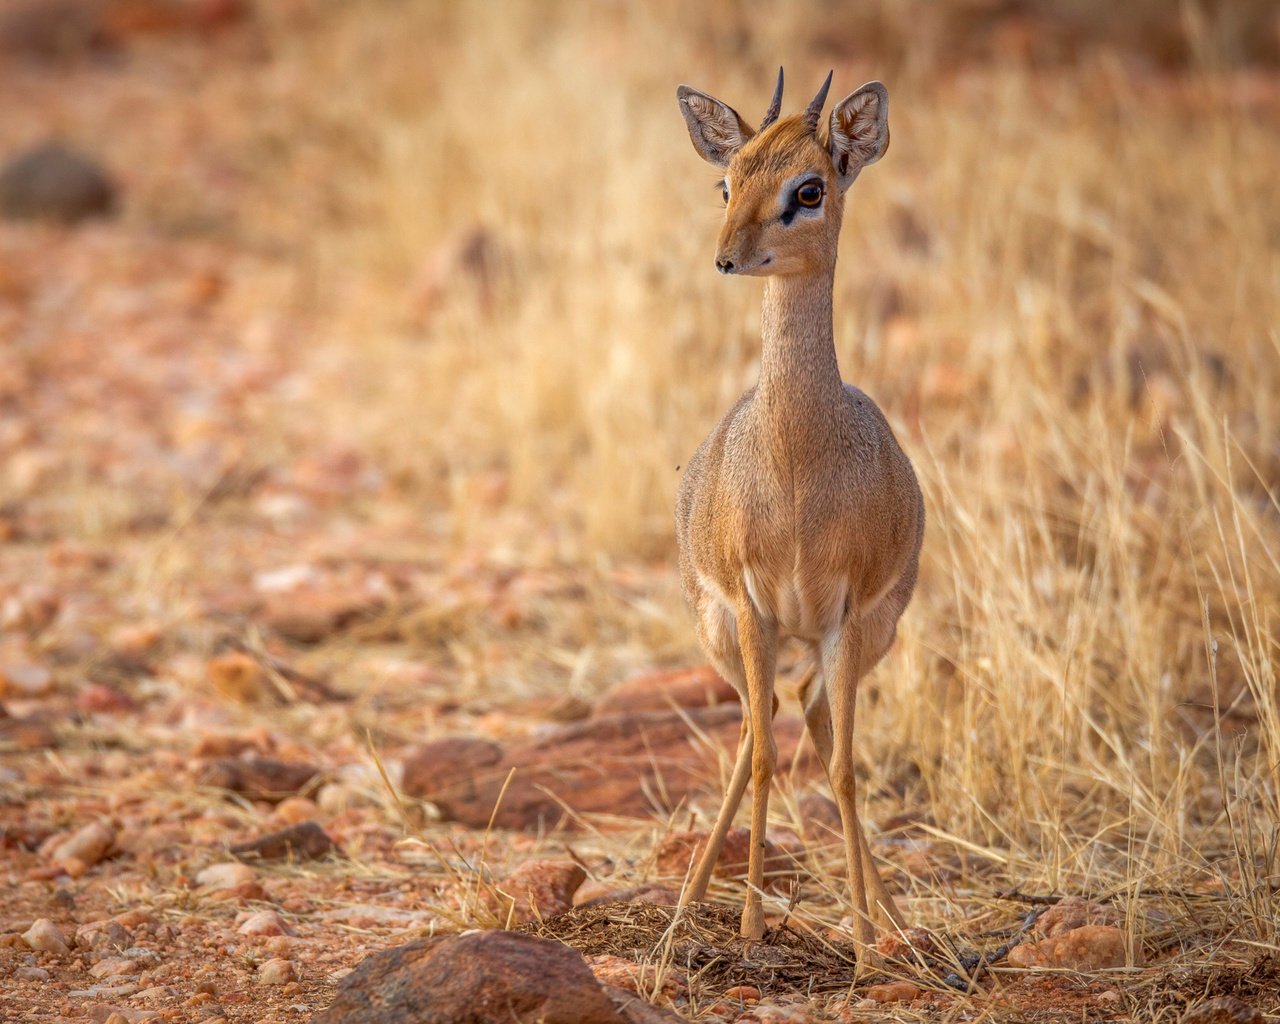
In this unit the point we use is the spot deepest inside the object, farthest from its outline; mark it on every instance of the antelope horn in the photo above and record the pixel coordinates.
(814, 110)
(775, 106)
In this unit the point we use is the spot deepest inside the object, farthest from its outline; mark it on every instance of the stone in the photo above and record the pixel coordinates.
(265, 922)
(662, 691)
(1223, 1010)
(649, 892)
(1072, 912)
(1090, 948)
(24, 679)
(89, 845)
(114, 967)
(679, 850)
(258, 778)
(637, 978)
(225, 876)
(907, 945)
(45, 936)
(304, 841)
(240, 677)
(276, 971)
(103, 935)
(489, 977)
(30, 974)
(820, 816)
(893, 992)
(634, 765)
(294, 810)
(50, 30)
(535, 891)
(54, 182)
(747, 995)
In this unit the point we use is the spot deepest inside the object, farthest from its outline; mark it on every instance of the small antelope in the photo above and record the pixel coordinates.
(799, 516)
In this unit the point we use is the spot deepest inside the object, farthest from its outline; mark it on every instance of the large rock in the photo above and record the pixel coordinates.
(52, 182)
(478, 978)
(1089, 948)
(662, 691)
(635, 765)
(679, 851)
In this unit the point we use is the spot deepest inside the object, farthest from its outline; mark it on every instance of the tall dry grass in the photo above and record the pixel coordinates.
(1062, 285)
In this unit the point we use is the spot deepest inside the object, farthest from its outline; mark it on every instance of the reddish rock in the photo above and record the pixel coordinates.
(46, 936)
(304, 841)
(103, 699)
(663, 691)
(276, 971)
(681, 849)
(240, 677)
(266, 923)
(481, 977)
(1073, 912)
(820, 816)
(226, 875)
(640, 979)
(907, 944)
(103, 935)
(640, 766)
(650, 892)
(1090, 948)
(258, 778)
(308, 617)
(88, 845)
(893, 992)
(536, 890)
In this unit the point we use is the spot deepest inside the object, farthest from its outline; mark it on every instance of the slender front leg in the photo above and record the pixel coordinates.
(758, 641)
(842, 667)
(817, 718)
(701, 878)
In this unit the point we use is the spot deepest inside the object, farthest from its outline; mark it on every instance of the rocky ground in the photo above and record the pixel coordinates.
(256, 715)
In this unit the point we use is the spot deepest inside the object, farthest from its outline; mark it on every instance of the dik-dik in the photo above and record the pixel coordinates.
(799, 515)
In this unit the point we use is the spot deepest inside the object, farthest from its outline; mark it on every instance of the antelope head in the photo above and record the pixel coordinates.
(784, 183)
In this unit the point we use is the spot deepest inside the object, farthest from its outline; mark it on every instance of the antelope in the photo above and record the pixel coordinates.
(799, 516)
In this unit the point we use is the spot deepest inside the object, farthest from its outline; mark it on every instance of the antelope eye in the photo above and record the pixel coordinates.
(724, 192)
(809, 194)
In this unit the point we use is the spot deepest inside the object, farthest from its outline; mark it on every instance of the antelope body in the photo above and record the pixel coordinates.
(799, 515)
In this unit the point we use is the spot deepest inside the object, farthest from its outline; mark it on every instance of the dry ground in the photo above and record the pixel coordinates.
(385, 369)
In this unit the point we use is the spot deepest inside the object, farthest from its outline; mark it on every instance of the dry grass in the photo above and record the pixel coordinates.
(1062, 285)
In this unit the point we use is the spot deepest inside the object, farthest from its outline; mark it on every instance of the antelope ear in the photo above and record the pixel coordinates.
(715, 128)
(859, 130)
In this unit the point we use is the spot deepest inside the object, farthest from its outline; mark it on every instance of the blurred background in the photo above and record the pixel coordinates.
(377, 332)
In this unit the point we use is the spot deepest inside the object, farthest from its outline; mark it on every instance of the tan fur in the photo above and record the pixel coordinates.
(799, 515)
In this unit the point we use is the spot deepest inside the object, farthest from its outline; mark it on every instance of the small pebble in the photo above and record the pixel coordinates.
(225, 876)
(277, 972)
(265, 922)
(45, 935)
(89, 845)
(31, 974)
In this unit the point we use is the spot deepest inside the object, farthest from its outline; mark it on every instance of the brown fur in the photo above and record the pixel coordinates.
(799, 515)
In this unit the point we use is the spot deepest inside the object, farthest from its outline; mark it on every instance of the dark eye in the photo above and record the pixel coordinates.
(809, 194)
(724, 192)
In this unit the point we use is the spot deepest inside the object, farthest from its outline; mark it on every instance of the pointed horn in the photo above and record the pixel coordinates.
(814, 110)
(775, 107)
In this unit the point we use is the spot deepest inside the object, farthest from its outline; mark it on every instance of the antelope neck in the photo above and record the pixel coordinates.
(798, 368)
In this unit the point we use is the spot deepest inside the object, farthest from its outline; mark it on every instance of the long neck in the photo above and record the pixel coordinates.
(798, 360)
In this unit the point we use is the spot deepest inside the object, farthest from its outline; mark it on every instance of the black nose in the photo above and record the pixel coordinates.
(724, 266)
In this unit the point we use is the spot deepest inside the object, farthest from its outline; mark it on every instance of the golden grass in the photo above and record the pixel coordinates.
(1061, 285)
